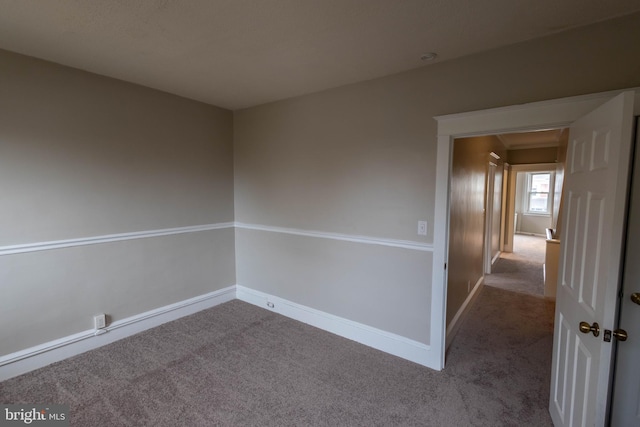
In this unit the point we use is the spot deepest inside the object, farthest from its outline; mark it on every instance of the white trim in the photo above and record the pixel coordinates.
(553, 114)
(83, 241)
(495, 257)
(455, 324)
(385, 341)
(405, 244)
(441, 249)
(36, 357)
(524, 233)
(23, 361)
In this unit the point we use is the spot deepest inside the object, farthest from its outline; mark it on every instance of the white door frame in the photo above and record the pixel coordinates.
(554, 114)
(504, 211)
(488, 215)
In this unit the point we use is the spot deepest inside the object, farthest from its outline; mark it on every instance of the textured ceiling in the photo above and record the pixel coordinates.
(240, 53)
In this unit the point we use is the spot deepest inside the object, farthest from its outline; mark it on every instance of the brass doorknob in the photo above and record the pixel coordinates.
(620, 334)
(635, 297)
(585, 328)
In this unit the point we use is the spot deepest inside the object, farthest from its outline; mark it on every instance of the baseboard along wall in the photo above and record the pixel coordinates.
(23, 361)
(454, 326)
(381, 340)
(29, 359)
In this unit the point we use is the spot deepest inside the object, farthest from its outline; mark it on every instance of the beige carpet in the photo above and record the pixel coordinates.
(521, 270)
(239, 365)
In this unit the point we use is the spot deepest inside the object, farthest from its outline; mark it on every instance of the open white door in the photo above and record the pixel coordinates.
(595, 191)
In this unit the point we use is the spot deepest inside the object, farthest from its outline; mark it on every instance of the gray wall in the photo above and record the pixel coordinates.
(360, 160)
(334, 162)
(82, 156)
(366, 283)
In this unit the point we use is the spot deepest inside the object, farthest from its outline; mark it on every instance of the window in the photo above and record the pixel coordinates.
(538, 199)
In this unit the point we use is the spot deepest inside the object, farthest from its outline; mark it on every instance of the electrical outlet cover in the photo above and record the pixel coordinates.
(100, 321)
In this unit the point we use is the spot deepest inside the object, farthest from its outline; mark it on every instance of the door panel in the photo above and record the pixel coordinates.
(591, 280)
(573, 241)
(559, 393)
(591, 246)
(583, 374)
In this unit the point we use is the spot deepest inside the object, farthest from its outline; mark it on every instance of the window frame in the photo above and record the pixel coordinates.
(528, 192)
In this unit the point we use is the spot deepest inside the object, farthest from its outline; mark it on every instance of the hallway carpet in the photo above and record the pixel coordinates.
(240, 365)
(521, 270)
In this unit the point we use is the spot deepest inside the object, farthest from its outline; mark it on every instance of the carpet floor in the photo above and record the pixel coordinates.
(240, 365)
(521, 270)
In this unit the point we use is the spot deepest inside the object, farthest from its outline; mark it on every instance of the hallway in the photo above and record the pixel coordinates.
(522, 270)
(506, 339)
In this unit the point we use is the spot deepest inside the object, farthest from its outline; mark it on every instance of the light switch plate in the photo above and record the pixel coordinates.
(422, 228)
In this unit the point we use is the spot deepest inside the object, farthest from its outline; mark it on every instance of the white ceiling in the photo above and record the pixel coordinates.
(535, 139)
(240, 53)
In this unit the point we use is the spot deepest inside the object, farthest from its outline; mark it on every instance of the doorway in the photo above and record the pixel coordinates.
(510, 288)
(550, 114)
(482, 227)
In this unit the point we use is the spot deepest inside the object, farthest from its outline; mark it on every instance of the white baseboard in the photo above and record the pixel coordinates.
(23, 361)
(526, 233)
(381, 340)
(454, 326)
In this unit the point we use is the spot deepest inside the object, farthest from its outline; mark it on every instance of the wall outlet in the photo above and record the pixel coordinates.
(100, 321)
(422, 228)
